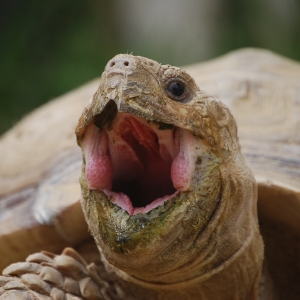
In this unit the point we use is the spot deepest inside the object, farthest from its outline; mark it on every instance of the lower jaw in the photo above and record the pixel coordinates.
(121, 232)
(143, 244)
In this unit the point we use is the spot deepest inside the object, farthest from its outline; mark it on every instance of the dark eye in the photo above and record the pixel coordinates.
(176, 88)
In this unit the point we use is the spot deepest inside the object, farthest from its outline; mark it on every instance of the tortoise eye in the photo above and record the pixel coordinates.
(176, 89)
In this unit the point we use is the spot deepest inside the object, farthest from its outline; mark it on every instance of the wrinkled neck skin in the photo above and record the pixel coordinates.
(202, 241)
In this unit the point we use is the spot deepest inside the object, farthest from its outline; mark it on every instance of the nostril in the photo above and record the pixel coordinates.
(112, 64)
(126, 63)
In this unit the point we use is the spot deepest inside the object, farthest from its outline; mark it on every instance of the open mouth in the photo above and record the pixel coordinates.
(137, 164)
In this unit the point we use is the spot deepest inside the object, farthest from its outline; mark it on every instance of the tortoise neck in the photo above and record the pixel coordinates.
(238, 278)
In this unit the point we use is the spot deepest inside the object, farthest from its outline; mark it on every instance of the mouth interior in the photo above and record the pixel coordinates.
(151, 179)
(137, 165)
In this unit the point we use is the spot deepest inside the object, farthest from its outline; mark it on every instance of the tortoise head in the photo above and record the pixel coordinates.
(164, 185)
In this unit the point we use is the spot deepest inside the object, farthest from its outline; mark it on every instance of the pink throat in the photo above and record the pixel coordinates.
(137, 165)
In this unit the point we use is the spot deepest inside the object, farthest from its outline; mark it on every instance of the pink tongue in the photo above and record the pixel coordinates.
(181, 168)
(98, 172)
(180, 173)
(98, 166)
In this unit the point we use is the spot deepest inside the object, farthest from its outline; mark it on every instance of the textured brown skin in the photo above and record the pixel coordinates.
(265, 63)
(223, 252)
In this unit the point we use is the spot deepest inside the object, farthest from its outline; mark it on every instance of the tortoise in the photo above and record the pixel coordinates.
(167, 194)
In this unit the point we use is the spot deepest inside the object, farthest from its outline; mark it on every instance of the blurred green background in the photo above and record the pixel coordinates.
(50, 47)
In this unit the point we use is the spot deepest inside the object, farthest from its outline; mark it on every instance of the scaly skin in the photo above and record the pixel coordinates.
(205, 240)
(204, 243)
